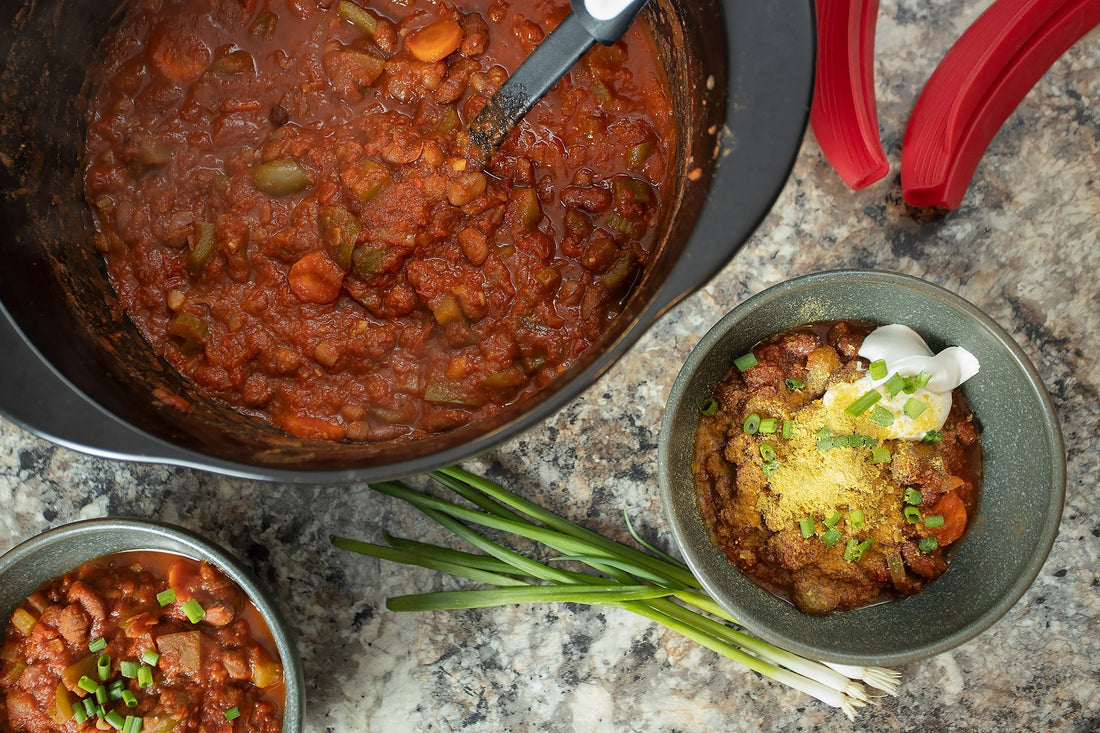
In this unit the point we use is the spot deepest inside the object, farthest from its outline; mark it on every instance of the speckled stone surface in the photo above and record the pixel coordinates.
(1023, 247)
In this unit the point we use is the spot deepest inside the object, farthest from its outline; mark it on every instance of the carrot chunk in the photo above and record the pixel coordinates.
(435, 42)
(316, 279)
(953, 511)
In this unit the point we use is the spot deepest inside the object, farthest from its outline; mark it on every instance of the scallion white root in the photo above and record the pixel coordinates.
(880, 678)
(650, 584)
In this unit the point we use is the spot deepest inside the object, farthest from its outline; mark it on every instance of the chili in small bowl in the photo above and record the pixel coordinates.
(144, 626)
(1022, 478)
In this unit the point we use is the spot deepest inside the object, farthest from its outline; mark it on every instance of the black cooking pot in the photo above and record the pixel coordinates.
(76, 371)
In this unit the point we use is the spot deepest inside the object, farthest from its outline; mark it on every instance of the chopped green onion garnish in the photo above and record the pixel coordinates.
(933, 520)
(855, 519)
(710, 407)
(166, 597)
(87, 684)
(103, 667)
(860, 406)
(825, 432)
(914, 408)
(115, 720)
(831, 536)
(921, 380)
(752, 424)
(132, 724)
(912, 515)
(101, 695)
(912, 497)
(129, 669)
(807, 527)
(194, 611)
(97, 645)
(932, 436)
(795, 385)
(881, 416)
(745, 362)
(129, 699)
(767, 452)
(100, 711)
(769, 468)
(788, 429)
(880, 455)
(877, 370)
(79, 715)
(824, 444)
(150, 657)
(895, 384)
(145, 677)
(927, 545)
(114, 690)
(89, 706)
(832, 519)
(851, 551)
(768, 425)
(232, 713)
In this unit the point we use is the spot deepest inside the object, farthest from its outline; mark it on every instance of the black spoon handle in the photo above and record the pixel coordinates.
(549, 62)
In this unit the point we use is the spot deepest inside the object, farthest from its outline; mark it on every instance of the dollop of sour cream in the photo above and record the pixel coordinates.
(906, 354)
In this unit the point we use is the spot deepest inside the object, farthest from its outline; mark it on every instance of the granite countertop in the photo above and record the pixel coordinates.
(1023, 247)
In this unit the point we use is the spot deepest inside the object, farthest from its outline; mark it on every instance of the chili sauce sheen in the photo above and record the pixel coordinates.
(292, 217)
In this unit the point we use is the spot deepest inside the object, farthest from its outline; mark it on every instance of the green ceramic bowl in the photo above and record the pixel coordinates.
(1022, 494)
(56, 551)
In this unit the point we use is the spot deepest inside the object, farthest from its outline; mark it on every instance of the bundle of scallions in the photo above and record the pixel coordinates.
(650, 583)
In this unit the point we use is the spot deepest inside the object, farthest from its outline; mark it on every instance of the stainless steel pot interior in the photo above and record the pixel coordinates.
(77, 372)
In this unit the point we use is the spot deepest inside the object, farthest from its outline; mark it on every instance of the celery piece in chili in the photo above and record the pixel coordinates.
(844, 116)
(981, 80)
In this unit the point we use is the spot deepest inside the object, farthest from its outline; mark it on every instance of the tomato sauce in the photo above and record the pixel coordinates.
(292, 215)
(98, 625)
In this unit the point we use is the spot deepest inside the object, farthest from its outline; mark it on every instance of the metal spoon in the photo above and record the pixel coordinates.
(590, 21)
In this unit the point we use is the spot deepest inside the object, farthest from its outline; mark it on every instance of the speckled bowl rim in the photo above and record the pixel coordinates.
(685, 519)
(53, 552)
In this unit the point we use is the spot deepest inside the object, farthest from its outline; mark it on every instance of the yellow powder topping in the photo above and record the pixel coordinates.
(817, 483)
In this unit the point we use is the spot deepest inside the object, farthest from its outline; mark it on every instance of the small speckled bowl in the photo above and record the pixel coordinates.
(1022, 494)
(56, 551)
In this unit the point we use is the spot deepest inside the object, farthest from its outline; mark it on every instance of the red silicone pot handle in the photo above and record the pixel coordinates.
(976, 87)
(844, 116)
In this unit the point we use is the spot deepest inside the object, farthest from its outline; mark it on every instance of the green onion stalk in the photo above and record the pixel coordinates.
(645, 581)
